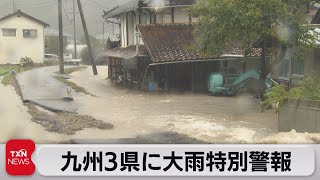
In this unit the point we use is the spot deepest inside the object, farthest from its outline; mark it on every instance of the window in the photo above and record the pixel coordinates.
(297, 66)
(9, 32)
(29, 33)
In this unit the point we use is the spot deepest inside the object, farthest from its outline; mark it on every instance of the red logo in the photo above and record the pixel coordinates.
(18, 157)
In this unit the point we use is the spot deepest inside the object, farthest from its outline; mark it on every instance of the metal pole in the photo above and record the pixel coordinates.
(103, 33)
(61, 66)
(85, 29)
(74, 31)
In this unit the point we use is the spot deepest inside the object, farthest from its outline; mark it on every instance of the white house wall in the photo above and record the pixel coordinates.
(13, 48)
(124, 38)
(130, 20)
(131, 28)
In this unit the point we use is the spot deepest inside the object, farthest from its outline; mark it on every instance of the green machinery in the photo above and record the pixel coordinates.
(230, 84)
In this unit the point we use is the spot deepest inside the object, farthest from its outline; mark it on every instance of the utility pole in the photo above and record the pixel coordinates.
(74, 31)
(61, 66)
(103, 33)
(85, 29)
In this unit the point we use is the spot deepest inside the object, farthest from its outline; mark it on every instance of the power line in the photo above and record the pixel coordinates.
(36, 5)
(65, 13)
(99, 4)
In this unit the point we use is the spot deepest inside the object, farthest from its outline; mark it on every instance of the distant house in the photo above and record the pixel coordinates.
(51, 32)
(156, 36)
(286, 64)
(21, 35)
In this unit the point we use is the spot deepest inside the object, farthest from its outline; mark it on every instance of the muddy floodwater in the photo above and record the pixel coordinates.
(207, 118)
(134, 113)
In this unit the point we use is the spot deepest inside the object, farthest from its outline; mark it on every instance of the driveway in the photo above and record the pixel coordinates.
(39, 86)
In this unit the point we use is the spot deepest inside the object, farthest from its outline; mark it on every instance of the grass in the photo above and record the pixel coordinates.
(74, 69)
(72, 85)
(5, 71)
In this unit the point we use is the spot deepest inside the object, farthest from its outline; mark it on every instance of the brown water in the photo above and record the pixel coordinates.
(208, 118)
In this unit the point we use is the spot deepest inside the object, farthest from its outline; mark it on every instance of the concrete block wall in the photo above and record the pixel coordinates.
(301, 115)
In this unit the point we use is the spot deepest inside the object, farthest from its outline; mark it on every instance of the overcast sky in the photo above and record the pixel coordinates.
(47, 11)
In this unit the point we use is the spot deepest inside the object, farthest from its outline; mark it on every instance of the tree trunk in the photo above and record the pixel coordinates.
(264, 71)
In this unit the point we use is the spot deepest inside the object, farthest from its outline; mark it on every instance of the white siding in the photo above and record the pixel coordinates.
(123, 30)
(13, 48)
(131, 28)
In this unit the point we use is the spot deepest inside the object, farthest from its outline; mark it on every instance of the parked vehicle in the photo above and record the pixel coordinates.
(51, 58)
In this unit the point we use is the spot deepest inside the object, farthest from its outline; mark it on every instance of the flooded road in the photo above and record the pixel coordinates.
(16, 123)
(198, 116)
(206, 118)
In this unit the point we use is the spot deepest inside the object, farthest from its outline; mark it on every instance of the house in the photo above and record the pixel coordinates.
(156, 39)
(21, 35)
(287, 65)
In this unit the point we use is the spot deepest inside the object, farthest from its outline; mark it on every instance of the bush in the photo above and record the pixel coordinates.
(26, 62)
(84, 54)
(278, 94)
(309, 88)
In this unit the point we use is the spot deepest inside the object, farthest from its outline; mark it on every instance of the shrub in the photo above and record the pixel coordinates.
(309, 88)
(84, 54)
(26, 62)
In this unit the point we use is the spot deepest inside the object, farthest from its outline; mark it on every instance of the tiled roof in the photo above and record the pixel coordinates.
(126, 52)
(168, 43)
(134, 4)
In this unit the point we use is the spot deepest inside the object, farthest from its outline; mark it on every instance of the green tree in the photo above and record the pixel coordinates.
(95, 43)
(97, 47)
(222, 23)
(52, 45)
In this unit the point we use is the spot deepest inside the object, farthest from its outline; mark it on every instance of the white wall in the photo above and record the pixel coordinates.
(131, 18)
(129, 21)
(123, 20)
(13, 48)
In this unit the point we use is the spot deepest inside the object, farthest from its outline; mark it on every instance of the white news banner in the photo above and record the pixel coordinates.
(174, 160)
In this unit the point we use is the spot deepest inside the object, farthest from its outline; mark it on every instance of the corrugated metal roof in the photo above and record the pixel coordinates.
(135, 4)
(126, 52)
(129, 6)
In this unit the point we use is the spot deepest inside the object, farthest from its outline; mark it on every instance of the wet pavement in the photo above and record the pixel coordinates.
(16, 121)
(39, 86)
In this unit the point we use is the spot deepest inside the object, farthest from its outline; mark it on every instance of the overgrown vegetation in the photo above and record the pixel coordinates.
(97, 47)
(52, 45)
(225, 23)
(309, 88)
(72, 85)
